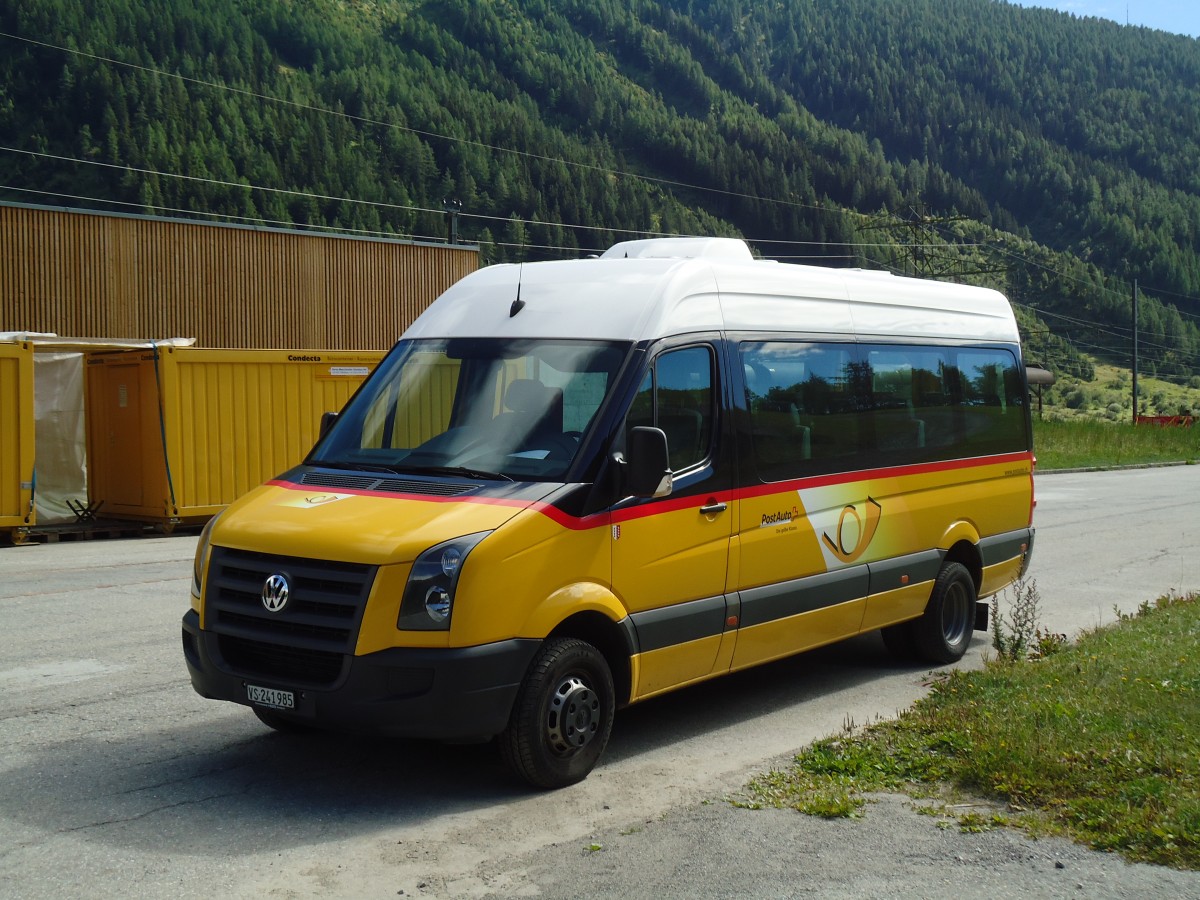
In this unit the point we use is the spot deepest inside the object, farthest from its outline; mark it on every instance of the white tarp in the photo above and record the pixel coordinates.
(60, 439)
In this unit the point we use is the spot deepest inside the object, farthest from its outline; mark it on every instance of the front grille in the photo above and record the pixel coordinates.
(386, 485)
(310, 638)
(315, 667)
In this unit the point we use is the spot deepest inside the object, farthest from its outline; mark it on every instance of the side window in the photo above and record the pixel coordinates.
(825, 407)
(677, 396)
(803, 402)
(911, 402)
(993, 399)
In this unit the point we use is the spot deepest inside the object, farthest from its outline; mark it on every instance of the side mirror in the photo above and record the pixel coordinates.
(649, 467)
(327, 420)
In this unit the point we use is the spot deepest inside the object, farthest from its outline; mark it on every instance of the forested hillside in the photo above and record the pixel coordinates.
(1057, 159)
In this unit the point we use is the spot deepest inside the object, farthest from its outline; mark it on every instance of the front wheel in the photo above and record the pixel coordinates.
(562, 717)
(943, 633)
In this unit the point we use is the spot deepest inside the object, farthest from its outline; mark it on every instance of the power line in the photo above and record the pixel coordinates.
(217, 181)
(534, 222)
(1101, 288)
(258, 95)
(398, 206)
(252, 220)
(303, 194)
(422, 133)
(216, 85)
(1097, 327)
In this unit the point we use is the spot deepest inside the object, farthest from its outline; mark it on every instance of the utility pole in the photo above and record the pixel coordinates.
(454, 208)
(1135, 350)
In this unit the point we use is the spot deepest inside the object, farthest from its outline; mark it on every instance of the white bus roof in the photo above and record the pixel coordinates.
(644, 290)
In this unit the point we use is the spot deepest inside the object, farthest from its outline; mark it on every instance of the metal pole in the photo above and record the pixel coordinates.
(453, 207)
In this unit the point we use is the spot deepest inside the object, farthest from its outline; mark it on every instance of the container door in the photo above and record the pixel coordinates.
(16, 434)
(671, 556)
(117, 437)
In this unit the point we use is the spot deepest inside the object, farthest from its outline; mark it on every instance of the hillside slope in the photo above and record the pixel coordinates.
(1060, 158)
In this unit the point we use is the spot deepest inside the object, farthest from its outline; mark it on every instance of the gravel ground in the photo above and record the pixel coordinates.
(716, 850)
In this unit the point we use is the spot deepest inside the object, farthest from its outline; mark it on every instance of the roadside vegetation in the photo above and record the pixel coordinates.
(1088, 422)
(1098, 740)
(1089, 443)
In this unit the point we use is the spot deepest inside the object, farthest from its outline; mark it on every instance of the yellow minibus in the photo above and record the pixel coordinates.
(572, 486)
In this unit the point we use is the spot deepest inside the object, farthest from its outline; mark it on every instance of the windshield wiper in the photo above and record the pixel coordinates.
(401, 469)
(464, 472)
(364, 467)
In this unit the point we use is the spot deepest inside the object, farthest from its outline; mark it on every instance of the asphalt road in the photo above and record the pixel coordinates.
(117, 780)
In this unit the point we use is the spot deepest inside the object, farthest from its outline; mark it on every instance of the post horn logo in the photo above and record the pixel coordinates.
(275, 591)
(863, 531)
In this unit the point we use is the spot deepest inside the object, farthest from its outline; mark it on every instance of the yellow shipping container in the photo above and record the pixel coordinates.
(16, 435)
(175, 435)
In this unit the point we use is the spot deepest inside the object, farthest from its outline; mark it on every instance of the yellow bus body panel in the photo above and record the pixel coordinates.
(674, 667)
(783, 637)
(901, 604)
(671, 557)
(529, 576)
(1000, 576)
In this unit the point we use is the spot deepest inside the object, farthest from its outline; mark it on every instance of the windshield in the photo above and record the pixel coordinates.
(482, 407)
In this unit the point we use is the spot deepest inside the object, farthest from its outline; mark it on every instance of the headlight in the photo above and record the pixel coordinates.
(429, 594)
(202, 554)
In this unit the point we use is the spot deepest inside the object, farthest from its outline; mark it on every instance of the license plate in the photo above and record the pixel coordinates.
(261, 696)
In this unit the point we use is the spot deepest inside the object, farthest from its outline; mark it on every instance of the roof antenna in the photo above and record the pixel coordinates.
(518, 304)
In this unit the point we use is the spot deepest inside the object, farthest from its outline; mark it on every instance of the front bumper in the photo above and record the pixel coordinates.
(462, 693)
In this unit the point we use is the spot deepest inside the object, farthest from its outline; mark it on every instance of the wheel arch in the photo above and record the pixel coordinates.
(967, 554)
(961, 541)
(611, 639)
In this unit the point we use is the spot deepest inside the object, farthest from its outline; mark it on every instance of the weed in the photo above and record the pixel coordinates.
(1017, 634)
(1047, 643)
(974, 823)
(831, 805)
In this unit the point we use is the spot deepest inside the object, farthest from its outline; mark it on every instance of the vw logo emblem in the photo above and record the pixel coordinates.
(275, 593)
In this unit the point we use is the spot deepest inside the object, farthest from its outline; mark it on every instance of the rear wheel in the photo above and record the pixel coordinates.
(943, 633)
(562, 717)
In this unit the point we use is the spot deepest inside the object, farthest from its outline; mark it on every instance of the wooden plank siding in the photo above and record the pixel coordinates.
(88, 274)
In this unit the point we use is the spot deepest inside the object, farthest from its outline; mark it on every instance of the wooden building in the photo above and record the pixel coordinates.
(74, 272)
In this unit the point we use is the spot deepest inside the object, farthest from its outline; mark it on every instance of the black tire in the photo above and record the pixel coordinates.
(279, 722)
(943, 633)
(562, 717)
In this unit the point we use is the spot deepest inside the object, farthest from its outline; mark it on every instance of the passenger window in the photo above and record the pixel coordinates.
(992, 397)
(910, 402)
(830, 407)
(677, 396)
(803, 405)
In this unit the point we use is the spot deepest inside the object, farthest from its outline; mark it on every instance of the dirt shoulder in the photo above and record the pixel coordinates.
(715, 850)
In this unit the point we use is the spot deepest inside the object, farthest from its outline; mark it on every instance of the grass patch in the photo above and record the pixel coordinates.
(1099, 741)
(1086, 443)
